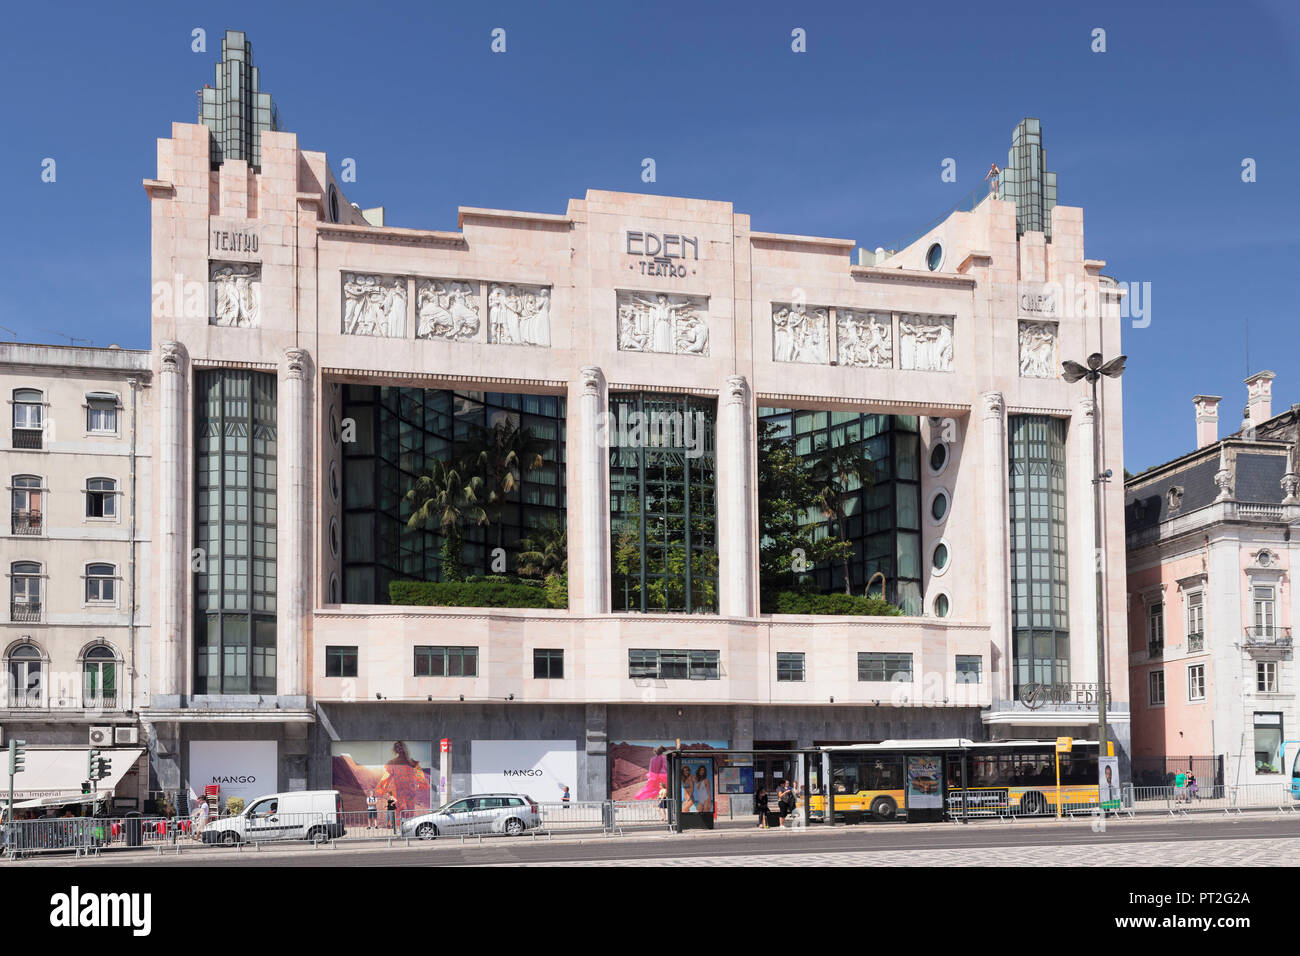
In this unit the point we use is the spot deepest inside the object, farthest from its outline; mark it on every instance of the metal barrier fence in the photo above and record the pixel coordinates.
(83, 834)
(1175, 800)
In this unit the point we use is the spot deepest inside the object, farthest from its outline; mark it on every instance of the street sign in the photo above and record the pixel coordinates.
(1064, 745)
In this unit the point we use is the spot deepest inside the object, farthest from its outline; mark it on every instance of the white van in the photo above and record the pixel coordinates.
(315, 815)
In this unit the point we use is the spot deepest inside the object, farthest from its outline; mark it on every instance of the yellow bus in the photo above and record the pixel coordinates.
(959, 777)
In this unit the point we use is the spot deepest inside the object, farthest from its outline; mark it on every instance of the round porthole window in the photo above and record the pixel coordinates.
(334, 204)
(939, 506)
(938, 457)
(334, 480)
(940, 557)
(334, 537)
(934, 257)
(334, 589)
(334, 427)
(941, 606)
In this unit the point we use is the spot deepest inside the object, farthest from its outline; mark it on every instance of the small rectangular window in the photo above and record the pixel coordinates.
(1268, 743)
(970, 668)
(1196, 682)
(789, 666)
(101, 416)
(646, 663)
(340, 662)
(1266, 677)
(548, 663)
(880, 667)
(446, 661)
(1156, 688)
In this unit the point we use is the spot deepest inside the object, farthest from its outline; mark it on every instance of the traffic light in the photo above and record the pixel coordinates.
(96, 765)
(85, 787)
(17, 756)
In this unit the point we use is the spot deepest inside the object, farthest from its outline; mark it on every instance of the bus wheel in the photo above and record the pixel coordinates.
(1033, 804)
(884, 808)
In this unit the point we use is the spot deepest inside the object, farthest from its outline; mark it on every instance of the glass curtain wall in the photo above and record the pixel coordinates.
(1039, 592)
(663, 509)
(400, 433)
(235, 527)
(883, 520)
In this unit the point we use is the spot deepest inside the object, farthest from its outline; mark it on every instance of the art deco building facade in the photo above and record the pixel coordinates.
(647, 344)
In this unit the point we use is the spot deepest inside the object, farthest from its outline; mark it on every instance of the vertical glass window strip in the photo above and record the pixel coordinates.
(235, 527)
(1039, 588)
(663, 515)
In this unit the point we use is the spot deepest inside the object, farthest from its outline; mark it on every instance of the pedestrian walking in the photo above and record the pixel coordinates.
(663, 802)
(565, 798)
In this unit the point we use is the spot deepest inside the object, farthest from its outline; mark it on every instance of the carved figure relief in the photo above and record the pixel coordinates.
(374, 305)
(1037, 350)
(235, 295)
(799, 335)
(446, 309)
(864, 339)
(675, 324)
(519, 315)
(925, 343)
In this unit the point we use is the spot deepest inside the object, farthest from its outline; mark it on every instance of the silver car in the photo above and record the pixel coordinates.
(511, 813)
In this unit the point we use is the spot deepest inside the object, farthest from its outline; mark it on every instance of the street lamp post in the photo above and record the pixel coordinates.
(1093, 370)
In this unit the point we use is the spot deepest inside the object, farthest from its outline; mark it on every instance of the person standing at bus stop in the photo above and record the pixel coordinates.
(785, 800)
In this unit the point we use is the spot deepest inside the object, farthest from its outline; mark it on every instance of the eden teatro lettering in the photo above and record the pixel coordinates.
(658, 252)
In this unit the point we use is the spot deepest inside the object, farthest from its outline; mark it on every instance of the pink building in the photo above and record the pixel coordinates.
(1212, 601)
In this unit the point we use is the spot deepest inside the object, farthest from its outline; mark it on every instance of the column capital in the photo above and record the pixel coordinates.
(737, 388)
(992, 404)
(295, 363)
(592, 379)
(173, 356)
(1087, 411)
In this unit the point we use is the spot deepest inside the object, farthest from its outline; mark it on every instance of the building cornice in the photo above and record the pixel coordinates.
(510, 215)
(795, 240)
(799, 400)
(391, 234)
(362, 376)
(913, 276)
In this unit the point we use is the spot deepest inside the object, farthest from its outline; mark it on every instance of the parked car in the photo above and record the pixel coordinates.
(511, 813)
(315, 815)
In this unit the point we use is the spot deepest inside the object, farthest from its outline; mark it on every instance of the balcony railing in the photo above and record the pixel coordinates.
(25, 522)
(27, 437)
(25, 612)
(43, 700)
(1268, 636)
(1195, 643)
(1156, 649)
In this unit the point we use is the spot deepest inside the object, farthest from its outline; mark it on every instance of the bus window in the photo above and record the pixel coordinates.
(844, 775)
(883, 773)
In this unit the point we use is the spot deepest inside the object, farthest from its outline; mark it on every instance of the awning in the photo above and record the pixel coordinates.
(59, 801)
(59, 773)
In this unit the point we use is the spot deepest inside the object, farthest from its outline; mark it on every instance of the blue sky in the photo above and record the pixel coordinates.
(845, 140)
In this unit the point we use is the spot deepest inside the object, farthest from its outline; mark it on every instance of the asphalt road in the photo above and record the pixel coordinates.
(920, 839)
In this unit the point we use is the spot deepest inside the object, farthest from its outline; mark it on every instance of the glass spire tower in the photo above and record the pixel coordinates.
(235, 110)
(1026, 181)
